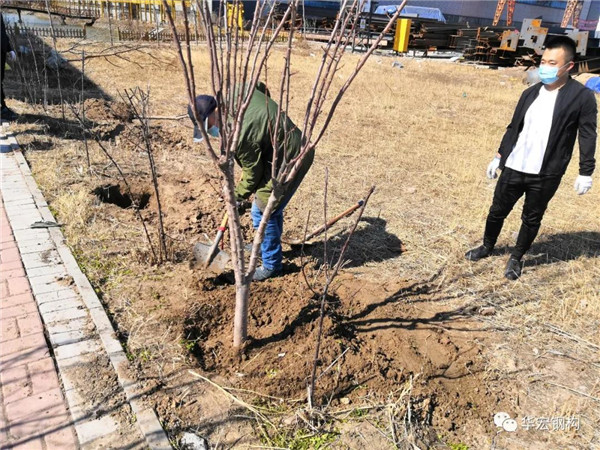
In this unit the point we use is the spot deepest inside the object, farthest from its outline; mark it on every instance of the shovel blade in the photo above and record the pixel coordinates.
(218, 263)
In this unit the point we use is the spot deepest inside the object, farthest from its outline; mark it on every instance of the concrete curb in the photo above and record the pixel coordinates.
(11, 143)
(147, 420)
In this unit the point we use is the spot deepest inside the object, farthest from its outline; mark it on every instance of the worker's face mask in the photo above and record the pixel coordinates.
(212, 131)
(549, 74)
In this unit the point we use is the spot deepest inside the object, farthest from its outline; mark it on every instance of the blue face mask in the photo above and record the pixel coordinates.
(212, 131)
(548, 74)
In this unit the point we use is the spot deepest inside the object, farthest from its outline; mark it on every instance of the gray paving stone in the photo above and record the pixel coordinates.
(74, 399)
(70, 337)
(42, 279)
(31, 235)
(34, 247)
(75, 361)
(15, 196)
(92, 430)
(18, 187)
(65, 314)
(30, 240)
(77, 349)
(48, 269)
(16, 206)
(12, 179)
(103, 325)
(65, 293)
(21, 208)
(47, 283)
(24, 220)
(16, 203)
(40, 259)
(59, 305)
(82, 323)
(153, 432)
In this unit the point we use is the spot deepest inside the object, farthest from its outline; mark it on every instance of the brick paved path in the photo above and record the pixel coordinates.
(33, 413)
(46, 298)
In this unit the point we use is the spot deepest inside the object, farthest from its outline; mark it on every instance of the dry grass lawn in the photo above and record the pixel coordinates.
(423, 135)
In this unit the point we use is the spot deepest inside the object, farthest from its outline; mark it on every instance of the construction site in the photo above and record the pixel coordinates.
(500, 40)
(119, 223)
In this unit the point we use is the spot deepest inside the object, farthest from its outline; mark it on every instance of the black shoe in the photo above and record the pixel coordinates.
(513, 269)
(8, 114)
(478, 253)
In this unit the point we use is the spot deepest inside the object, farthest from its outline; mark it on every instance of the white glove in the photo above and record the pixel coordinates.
(492, 167)
(583, 184)
(12, 55)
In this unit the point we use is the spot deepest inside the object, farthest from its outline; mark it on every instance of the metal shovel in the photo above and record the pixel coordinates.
(209, 255)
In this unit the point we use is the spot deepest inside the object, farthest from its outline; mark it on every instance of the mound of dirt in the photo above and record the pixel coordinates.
(99, 110)
(376, 340)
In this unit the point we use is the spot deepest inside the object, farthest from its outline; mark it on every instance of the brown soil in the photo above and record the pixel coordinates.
(99, 110)
(391, 334)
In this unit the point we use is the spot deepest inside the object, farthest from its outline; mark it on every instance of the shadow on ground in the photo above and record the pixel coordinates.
(370, 243)
(558, 247)
(39, 77)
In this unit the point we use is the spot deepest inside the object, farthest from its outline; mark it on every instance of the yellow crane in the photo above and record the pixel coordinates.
(573, 10)
(509, 12)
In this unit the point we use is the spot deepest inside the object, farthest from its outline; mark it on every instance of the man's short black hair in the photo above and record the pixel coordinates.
(566, 43)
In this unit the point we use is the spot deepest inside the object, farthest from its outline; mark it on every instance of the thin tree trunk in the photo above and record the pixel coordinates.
(240, 321)
(110, 26)
(62, 103)
(85, 142)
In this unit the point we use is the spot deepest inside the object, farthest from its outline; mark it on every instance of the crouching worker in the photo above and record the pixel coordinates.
(254, 154)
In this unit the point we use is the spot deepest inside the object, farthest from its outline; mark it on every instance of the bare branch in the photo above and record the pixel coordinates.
(329, 280)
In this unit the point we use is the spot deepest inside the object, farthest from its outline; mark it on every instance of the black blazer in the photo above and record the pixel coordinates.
(4, 37)
(575, 111)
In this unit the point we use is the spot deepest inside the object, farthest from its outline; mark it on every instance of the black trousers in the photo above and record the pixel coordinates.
(2, 62)
(538, 190)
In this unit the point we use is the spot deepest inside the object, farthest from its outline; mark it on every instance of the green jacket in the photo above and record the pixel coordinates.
(254, 152)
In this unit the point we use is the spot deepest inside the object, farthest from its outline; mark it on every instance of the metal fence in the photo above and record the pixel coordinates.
(162, 36)
(152, 35)
(70, 33)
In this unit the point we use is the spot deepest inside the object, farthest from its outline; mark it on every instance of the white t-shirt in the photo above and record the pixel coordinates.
(528, 153)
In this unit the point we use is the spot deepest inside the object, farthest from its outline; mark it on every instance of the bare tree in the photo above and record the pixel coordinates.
(135, 204)
(238, 60)
(57, 60)
(329, 278)
(139, 103)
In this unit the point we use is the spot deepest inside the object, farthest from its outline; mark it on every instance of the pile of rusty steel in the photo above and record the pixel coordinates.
(511, 47)
(496, 46)
(493, 46)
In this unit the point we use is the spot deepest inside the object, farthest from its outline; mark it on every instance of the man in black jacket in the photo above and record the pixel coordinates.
(6, 49)
(536, 149)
